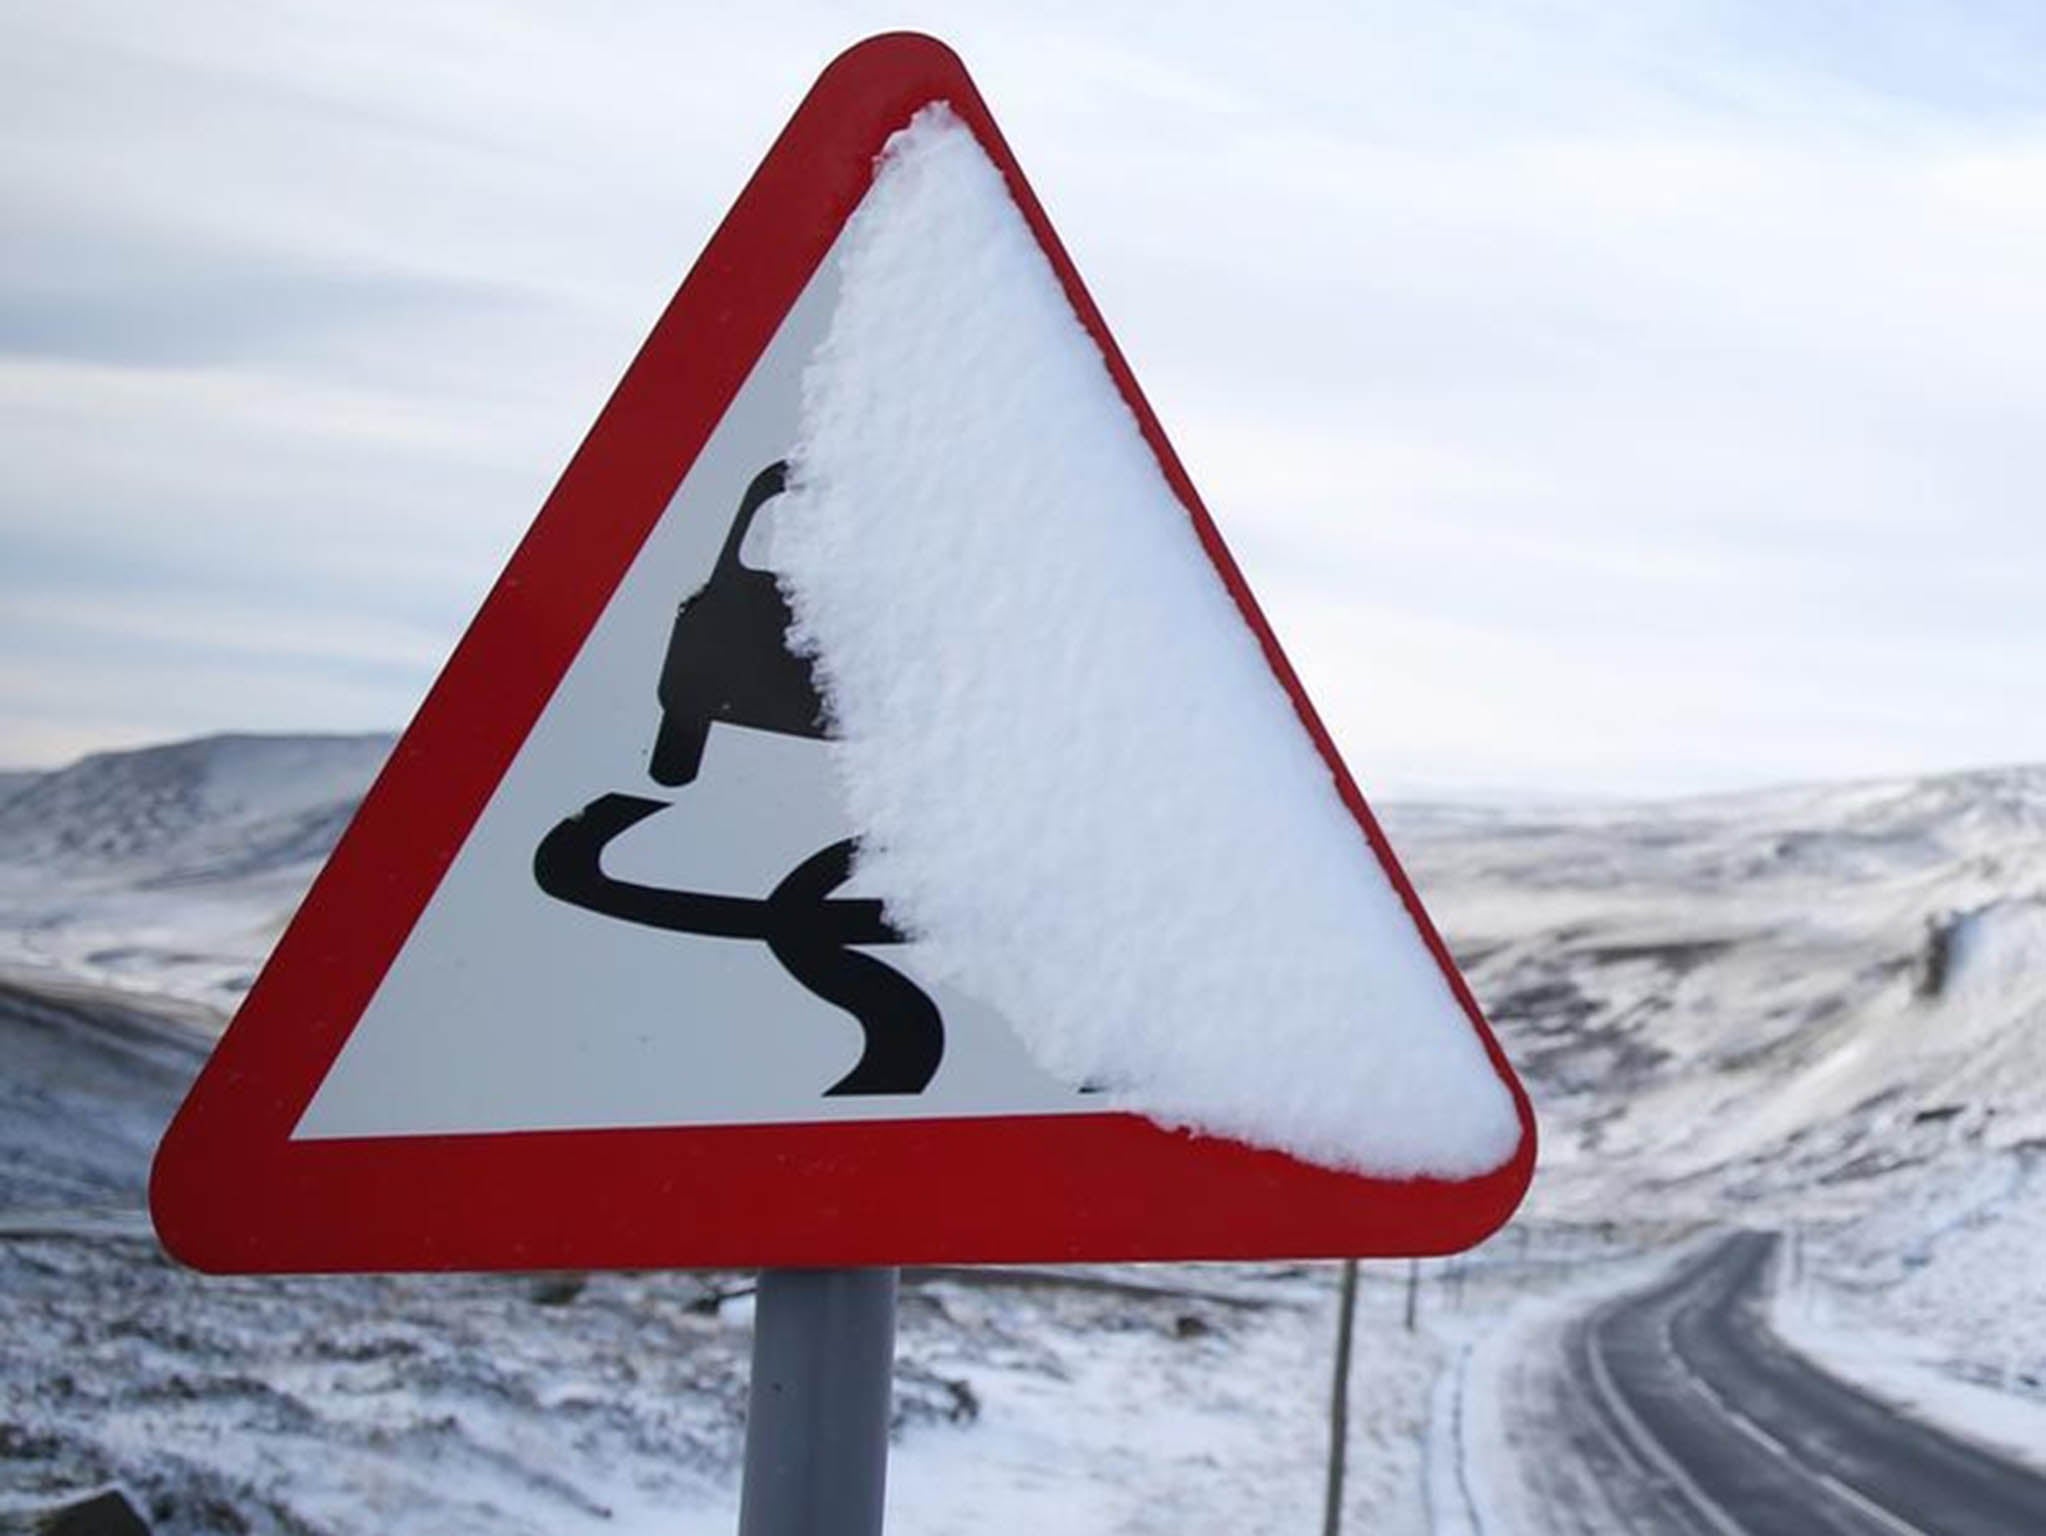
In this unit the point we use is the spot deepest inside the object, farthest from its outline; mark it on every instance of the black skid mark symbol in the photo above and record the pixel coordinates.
(905, 1035)
(810, 933)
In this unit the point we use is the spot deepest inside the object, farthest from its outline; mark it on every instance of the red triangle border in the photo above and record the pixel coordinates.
(232, 1192)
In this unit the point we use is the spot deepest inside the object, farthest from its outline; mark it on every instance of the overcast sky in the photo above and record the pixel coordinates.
(1604, 399)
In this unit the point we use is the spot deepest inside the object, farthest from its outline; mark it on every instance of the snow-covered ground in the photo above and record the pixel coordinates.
(1133, 1398)
(460, 1404)
(1814, 1009)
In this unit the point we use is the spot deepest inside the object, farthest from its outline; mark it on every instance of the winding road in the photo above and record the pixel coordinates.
(1686, 1414)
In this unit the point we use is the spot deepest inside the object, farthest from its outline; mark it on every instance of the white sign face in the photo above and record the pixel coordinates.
(658, 985)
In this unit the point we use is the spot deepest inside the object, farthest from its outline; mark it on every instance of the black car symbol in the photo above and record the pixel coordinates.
(729, 661)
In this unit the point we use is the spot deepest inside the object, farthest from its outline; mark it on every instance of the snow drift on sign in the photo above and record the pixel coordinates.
(1082, 788)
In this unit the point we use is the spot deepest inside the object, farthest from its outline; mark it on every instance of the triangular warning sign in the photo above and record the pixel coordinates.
(593, 980)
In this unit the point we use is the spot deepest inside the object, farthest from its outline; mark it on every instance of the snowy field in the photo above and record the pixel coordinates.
(1816, 1010)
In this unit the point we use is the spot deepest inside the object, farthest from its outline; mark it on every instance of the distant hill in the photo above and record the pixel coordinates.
(216, 808)
(15, 780)
(1779, 996)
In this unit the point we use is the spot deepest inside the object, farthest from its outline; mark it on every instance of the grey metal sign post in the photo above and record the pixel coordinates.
(817, 1411)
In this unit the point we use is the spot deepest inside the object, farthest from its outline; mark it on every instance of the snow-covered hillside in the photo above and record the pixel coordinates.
(13, 780)
(193, 811)
(1770, 999)
(1817, 1009)
(172, 869)
(1820, 1009)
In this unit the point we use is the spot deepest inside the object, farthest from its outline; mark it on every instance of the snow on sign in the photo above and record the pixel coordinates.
(869, 822)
